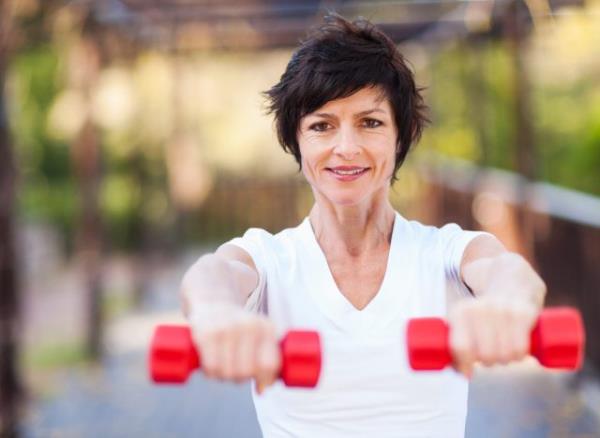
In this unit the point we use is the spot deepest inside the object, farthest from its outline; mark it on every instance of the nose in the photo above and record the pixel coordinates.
(347, 144)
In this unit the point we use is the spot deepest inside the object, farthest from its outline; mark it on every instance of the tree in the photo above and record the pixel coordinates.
(10, 381)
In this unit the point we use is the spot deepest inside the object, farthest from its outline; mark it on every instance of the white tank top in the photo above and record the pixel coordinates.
(366, 387)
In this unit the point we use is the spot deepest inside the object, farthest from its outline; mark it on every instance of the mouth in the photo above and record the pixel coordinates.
(347, 173)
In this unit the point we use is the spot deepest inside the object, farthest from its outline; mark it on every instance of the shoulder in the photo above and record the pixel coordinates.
(268, 239)
(260, 244)
(449, 237)
(429, 233)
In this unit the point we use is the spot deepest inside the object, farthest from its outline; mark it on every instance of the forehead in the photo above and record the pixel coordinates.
(364, 99)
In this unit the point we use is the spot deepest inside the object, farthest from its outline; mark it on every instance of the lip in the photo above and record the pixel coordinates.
(346, 178)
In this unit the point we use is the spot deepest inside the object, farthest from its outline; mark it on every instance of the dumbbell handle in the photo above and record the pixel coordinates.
(557, 340)
(173, 356)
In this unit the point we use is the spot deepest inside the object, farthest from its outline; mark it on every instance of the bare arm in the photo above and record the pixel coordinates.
(226, 277)
(489, 269)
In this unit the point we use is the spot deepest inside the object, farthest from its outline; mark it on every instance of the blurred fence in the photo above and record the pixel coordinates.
(558, 230)
(237, 203)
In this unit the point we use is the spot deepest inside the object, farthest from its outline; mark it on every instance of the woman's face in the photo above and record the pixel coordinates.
(348, 147)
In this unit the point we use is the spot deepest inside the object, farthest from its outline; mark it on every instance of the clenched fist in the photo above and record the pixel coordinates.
(490, 330)
(236, 345)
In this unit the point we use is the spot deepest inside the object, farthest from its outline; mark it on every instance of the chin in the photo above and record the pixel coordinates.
(346, 199)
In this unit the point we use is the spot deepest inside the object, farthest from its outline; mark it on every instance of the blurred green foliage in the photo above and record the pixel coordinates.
(47, 191)
(471, 100)
(472, 94)
(47, 357)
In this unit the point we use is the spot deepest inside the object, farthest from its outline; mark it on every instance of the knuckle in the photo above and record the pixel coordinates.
(250, 328)
(267, 364)
(464, 312)
(266, 326)
(246, 327)
(461, 350)
(505, 314)
(205, 338)
(212, 336)
(460, 342)
(261, 331)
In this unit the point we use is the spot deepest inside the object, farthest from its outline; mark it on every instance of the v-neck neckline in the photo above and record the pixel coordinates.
(335, 300)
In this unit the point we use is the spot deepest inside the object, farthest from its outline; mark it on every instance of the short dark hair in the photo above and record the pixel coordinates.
(336, 60)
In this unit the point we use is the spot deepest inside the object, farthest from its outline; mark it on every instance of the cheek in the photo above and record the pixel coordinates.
(391, 163)
(310, 156)
(392, 158)
(306, 164)
(386, 153)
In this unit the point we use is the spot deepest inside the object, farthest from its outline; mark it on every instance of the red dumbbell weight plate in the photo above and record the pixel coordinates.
(427, 343)
(557, 340)
(301, 358)
(172, 354)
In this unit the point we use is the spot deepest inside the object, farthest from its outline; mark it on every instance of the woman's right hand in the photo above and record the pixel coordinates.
(236, 344)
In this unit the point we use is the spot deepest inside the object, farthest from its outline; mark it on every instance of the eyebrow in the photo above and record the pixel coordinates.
(360, 114)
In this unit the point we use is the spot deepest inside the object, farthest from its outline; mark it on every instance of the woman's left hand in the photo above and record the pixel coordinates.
(495, 327)
(491, 331)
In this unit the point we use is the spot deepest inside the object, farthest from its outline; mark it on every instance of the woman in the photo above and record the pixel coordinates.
(355, 270)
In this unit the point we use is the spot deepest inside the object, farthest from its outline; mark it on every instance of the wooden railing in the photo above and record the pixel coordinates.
(558, 230)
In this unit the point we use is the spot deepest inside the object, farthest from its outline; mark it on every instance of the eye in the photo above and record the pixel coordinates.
(319, 127)
(372, 123)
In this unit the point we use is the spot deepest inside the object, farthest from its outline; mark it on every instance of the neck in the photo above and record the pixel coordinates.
(353, 230)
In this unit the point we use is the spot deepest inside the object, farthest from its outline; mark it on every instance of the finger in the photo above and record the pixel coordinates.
(505, 336)
(520, 337)
(485, 337)
(462, 348)
(244, 356)
(513, 334)
(227, 354)
(208, 347)
(267, 362)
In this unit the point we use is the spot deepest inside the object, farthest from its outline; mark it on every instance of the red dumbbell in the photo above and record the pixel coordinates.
(557, 341)
(173, 356)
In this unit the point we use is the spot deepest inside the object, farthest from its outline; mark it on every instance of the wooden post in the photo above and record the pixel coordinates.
(86, 162)
(524, 152)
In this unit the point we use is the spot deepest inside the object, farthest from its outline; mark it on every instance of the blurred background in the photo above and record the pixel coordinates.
(133, 139)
